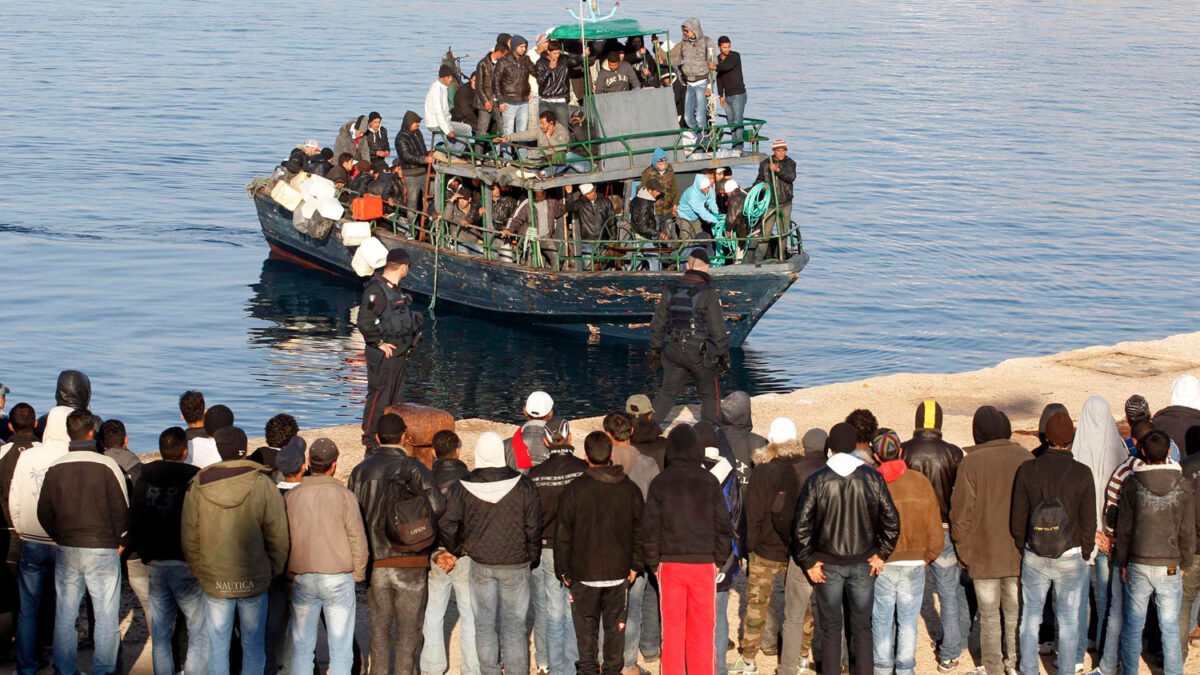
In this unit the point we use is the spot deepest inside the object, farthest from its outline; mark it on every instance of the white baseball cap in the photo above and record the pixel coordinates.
(782, 430)
(586, 188)
(731, 186)
(312, 143)
(539, 404)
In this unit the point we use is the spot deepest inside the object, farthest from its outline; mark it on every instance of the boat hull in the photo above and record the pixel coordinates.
(606, 305)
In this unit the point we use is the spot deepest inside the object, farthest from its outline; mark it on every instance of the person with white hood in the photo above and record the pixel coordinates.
(846, 528)
(1181, 419)
(37, 548)
(494, 516)
(1099, 447)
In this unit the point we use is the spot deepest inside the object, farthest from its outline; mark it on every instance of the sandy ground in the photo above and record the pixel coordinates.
(1020, 387)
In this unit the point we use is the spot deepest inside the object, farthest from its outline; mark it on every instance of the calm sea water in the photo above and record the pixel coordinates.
(977, 180)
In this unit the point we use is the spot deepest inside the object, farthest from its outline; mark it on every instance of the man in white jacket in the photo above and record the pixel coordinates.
(37, 548)
(437, 109)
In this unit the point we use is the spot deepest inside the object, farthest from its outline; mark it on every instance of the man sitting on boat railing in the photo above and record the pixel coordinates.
(552, 143)
(437, 109)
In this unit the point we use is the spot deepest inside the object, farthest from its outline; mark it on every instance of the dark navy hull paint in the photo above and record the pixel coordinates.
(612, 304)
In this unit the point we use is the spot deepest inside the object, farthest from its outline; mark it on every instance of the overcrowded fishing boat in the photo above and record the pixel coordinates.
(562, 191)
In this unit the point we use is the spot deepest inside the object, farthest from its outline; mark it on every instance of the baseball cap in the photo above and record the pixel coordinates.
(556, 433)
(312, 143)
(323, 451)
(586, 188)
(638, 404)
(290, 459)
(782, 430)
(539, 404)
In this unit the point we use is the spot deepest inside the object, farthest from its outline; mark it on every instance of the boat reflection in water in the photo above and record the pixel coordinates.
(467, 365)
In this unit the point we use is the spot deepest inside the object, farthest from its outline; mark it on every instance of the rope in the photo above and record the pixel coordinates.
(758, 202)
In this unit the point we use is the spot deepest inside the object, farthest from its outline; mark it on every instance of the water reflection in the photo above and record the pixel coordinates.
(471, 366)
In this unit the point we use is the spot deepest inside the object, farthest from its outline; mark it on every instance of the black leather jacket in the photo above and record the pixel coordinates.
(931, 456)
(369, 482)
(512, 78)
(844, 520)
(447, 472)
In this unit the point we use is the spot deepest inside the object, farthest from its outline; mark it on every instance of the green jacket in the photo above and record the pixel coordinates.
(235, 529)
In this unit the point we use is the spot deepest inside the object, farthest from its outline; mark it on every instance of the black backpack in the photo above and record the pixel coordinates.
(408, 521)
(1050, 529)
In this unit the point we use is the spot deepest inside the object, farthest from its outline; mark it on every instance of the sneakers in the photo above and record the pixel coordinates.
(806, 665)
(1079, 669)
(738, 666)
(947, 666)
(978, 671)
(750, 669)
(770, 651)
(1045, 648)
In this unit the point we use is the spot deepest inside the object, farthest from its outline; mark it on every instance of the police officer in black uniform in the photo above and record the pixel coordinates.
(688, 338)
(391, 330)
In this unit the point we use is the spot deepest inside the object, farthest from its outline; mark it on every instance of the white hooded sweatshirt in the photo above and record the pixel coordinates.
(29, 473)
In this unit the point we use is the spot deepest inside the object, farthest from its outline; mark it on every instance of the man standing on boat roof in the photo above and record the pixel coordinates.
(688, 338)
(693, 55)
(392, 331)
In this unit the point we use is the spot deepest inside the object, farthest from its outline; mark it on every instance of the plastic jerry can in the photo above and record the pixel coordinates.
(286, 196)
(367, 208)
(354, 232)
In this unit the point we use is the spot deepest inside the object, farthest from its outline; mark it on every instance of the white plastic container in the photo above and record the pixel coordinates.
(370, 256)
(299, 179)
(355, 232)
(286, 196)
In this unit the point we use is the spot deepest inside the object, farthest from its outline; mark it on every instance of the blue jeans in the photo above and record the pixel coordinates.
(651, 626)
(1097, 581)
(853, 583)
(500, 595)
(433, 653)
(173, 589)
(1142, 582)
(1111, 650)
(553, 629)
(1038, 574)
(516, 117)
(98, 572)
(633, 621)
(35, 575)
(252, 619)
(899, 590)
(333, 595)
(695, 107)
(735, 113)
(947, 581)
(721, 634)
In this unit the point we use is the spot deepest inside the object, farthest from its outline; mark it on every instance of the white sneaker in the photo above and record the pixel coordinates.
(738, 666)
(1045, 648)
(750, 668)
(1079, 669)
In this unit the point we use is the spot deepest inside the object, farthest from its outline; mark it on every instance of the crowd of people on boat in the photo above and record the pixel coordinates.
(526, 99)
(614, 550)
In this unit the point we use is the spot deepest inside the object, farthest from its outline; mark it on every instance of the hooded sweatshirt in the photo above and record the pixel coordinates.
(647, 438)
(1181, 420)
(1156, 518)
(29, 473)
(686, 519)
(156, 510)
(696, 205)
(410, 145)
(737, 430)
(494, 514)
(981, 502)
(693, 55)
(345, 141)
(235, 529)
(1099, 447)
(599, 532)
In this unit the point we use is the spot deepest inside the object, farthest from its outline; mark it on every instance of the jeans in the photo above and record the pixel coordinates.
(1038, 575)
(500, 595)
(1097, 580)
(735, 113)
(553, 628)
(35, 579)
(333, 595)
(998, 647)
(947, 580)
(1187, 609)
(174, 589)
(516, 117)
(721, 632)
(695, 106)
(1111, 649)
(899, 590)
(488, 123)
(434, 657)
(98, 572)
(853, 583)
(633, 621)
(396, 604)
(1143, 581)
(798, 593)
(650, 643)
(252, 620)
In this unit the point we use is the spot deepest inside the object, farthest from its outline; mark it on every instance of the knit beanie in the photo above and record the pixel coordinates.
(1059, 430)
(815, 441)
(886, 445)
(842, 437)
(929, 415)
(1137, 408)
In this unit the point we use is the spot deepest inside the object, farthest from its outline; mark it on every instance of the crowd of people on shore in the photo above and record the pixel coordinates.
(530, 94)
(627, 544)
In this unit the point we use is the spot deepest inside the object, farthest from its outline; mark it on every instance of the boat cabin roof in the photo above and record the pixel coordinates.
(602, 30)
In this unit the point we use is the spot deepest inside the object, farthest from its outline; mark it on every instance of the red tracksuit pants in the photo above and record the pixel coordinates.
(688, 595)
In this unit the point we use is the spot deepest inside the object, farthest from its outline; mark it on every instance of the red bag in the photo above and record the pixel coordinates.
(367, 208)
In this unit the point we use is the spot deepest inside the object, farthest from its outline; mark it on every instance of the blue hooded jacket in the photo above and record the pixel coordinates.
(696, 205)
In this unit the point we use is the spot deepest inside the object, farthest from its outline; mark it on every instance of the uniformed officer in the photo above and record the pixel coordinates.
(688, 338)
(391, 330)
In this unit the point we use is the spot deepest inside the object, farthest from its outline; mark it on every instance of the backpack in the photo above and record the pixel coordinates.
(1050, 529)
(408, 520)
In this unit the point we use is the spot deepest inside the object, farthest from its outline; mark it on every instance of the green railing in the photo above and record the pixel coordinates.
(488, 151)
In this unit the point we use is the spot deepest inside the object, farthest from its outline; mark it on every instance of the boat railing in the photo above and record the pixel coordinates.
(681, 145)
